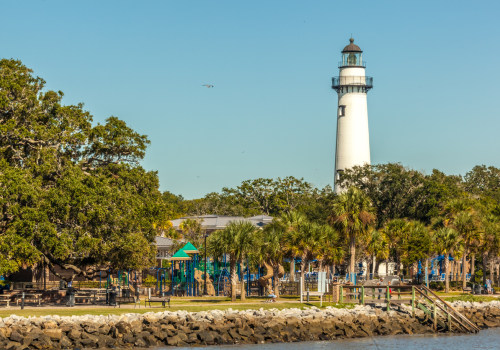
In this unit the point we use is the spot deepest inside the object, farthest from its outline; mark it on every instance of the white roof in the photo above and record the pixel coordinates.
(216, 222)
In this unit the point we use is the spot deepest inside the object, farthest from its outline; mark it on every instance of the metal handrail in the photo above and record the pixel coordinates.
(465, 319)
(352, 81)
(362, 64)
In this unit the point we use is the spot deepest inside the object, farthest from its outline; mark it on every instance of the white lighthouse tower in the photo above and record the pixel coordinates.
(353, 140)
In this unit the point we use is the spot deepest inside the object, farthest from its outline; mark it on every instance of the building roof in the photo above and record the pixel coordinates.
(163, 242)
(216, 222)
(351, 47)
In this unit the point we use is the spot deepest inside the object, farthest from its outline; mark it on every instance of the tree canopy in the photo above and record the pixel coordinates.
(72, 194)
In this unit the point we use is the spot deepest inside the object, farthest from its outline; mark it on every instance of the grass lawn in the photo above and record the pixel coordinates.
(472, 298)
(187, 304)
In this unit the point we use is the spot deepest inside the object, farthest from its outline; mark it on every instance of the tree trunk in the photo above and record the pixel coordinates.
(387, 268)
(498, 274)
(492, 277)
(485, 261)
(352, 263)
(464, 269)
(302, 269)
(292, 269)
(426, 276)
(447, 274)
(374, 263)
(243, 292)
(452, 270)
(473, 265)
(234, 278)
(276, 278)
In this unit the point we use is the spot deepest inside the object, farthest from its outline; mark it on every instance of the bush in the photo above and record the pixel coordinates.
(149, 281)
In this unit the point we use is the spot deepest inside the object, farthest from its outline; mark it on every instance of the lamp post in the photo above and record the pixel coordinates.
(205, 284)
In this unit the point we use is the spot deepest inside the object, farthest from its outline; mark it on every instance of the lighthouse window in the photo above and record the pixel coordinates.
(341, 111)
(339, 173)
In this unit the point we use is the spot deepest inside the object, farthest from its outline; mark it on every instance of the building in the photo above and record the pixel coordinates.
(211, 223)
(353, 141)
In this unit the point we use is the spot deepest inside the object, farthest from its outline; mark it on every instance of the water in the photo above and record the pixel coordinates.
(487, 339)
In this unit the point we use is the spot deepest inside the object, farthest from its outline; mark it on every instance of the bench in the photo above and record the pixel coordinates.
(5, 299)
(127, 300)
(162, 300)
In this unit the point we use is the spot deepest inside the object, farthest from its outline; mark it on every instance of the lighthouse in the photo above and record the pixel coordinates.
(353, 140)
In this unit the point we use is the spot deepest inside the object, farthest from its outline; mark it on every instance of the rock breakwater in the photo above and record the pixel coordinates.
(216, 327)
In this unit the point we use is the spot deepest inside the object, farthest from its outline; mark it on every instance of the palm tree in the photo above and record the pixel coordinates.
(352, 215)
(379, 248)
(302, 242)
(236, 241)
(396, 232)
(272, 251)
(466, 224)
(447, 242)
(330, 250)
(291, 222)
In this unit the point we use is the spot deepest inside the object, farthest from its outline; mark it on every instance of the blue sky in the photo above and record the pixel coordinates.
(272, 112)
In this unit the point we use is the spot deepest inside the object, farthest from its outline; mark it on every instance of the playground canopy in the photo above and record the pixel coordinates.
(180, 255)
(190, 248)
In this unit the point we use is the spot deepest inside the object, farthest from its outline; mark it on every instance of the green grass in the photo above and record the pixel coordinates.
(471, 298)
(176, 305)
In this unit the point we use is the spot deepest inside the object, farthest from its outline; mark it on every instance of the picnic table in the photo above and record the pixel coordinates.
(5, 298)
(35, 298)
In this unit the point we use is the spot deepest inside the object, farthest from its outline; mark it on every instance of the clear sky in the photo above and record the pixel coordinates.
(435, 102)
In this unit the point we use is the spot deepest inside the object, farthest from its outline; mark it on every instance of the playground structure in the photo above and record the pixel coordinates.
(186, 275)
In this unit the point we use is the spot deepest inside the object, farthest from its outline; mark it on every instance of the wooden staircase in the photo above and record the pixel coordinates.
(440, 311)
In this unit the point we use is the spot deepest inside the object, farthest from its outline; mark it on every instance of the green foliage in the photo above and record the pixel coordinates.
(471, 298)
(149, 281)
(265, 196)
(71, 194)
(398, 192)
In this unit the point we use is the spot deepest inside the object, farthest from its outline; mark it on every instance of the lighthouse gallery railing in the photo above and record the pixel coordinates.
(338, 82)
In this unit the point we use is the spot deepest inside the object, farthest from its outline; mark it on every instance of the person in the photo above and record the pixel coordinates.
(488, 286)
(272, 297)
(379, 283)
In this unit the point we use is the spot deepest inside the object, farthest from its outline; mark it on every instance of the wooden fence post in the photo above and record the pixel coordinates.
(388, 297)
(413, 301)
(363, 295)
(434, 315)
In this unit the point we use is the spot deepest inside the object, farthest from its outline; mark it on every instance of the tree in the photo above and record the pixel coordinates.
(302, 242)
(482, 180)
(72, 194)
(466, 224)
(379, 248)
(271, 249)
(291, 222)
(352, 216)
(192, 231)
(447, 242)
(236, 241)
(397, 192)
(396, 232)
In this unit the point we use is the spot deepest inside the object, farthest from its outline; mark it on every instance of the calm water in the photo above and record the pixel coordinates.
(487, 339)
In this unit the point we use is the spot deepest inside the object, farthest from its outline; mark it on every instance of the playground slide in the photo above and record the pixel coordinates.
(266, 280)
(198, 276)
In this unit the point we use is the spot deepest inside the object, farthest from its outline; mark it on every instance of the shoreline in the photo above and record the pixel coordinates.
(216, 327)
